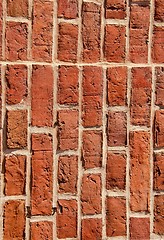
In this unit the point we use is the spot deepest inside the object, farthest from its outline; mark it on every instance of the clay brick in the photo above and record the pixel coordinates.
(14, 220)
(16, 129)
(116, 129)
(115, 9)
(91, 200)
(42, 30)
(159, 215)
(67, 42)
(16, 41)
(16, 84)
(116, 171)
(92, 228)
(158, 172)
(41, 183)
(67, 9)
(115, 216)
(158, 45)
(17, 8)
(42, 96)
(41, 230)
(68, 85)
(67, 174)
(159, 129)
(139, 228)
(15, 175)
(159, 11)
(91, 25)
(66, 219)
(139, 171)
(67, 130)
(159, 75)
(141, 96)
(1, 27)
(117, 83)
(41, 142)
(92, 149)
(139, 16)
(114, 52)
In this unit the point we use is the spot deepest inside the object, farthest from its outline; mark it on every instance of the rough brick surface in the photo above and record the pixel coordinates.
(115, 9)
(159, 75)
(91, 228)
(159, 13)
(158, 45)
(139, 228)
(159, 171)
(159, 128)
(67, 9)
(42, 230)
(158, 215)
(17, 8)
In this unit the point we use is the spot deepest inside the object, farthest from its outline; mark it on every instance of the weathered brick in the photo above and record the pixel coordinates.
(1, 27)
(116, 171)
(139, 228)
(159, 11)
(115, 216)
(67, 130)
(66, 219)
(91, 200)
(91, 25)
(116, 130)
(117, 83)
(16, 129)
(159, 128)
(67, 9)
(159, 215)
(139, 171)
(92, 228)
(41, 230)
(68, 85)
(114, 52)
(16, 41)
(159, 76)
(67, 42)
(42, 96)
(16, 84)
(14, 220)
(41, 142)
(141, 96)
(17, 8)
(15, 175)
(92, 149)
(115, 9)
(158, 45)
(67, 174)
(42, 30)
(158, 171)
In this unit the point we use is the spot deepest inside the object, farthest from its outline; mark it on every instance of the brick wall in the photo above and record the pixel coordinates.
(82, 119)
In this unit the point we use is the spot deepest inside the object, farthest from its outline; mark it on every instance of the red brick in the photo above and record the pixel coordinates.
(159, 11)
(92, 149)
(91, 194)
(159, 75)
(41, 142)
(14, 220)
(158, 215)
(158, 45)
(159, 172)
(116, 171)
(139, 171)
(42, 96)
(67, 9)
(41, 185)
(139, 228)
(17, 129)
(1, 27)
(117, 83)
(67, 174)
(114, 52)
(0, 98)
(115, 216)
(67, 42)
(15, 175)
(17, 8)
(41, 230)
(116, 130)
(16, 41)
(159, 129)
(68, 85)
(67, 219)
(139, 16)
(68, 130)
(92, 111)
(141, 96)
(42, 30)
(92, 229)
(16, 84)
(91, 25)
(115, 9)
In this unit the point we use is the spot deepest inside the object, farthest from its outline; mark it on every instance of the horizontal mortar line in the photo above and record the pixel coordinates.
(46, 130)
(133, 128)
(161, 150)
(92, 216)
(67, 153)
(118, 193)
(72, 21)
(117, 148)
(139, 214)
(157, 237)
(41, 218)
(115, 22)
(117, 108)
(159, 24)
(158, 193)
(93, 171)
(85, 129)
(156, 108)
(66, 239)
(18, 197)
(116, 238)
(66, 107)
(67, 197)
(18, 19)
(17, 107)
(9, 152)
